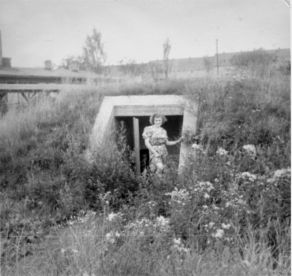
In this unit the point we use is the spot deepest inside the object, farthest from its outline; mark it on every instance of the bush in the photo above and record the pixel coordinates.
(260, 63)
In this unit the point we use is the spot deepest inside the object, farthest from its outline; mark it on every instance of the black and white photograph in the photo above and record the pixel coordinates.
(145, 138)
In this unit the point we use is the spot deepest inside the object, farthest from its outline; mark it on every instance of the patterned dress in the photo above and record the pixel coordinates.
(157, 138)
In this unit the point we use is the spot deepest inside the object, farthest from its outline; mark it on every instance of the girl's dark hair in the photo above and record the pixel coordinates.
(157, 115)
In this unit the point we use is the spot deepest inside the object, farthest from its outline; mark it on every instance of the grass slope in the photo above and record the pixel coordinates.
(45, 180)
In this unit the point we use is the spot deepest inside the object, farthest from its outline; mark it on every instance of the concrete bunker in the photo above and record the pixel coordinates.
(134, 111)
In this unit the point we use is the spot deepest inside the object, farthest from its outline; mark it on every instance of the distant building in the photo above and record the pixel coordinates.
(5, 62)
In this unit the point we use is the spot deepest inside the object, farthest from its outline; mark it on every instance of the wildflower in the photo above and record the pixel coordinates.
(197, 147)
(111, 236)
(226, 226)
(113, 216)
(84, 217)
(248, 176)
(105, 197)
(206, 185)
(221, 152)
(137, 226)
(162, 223)
(282, 172)
(177, 245)
(177, 241)
(179, 196)
(218, 234)
(206, 196)
(211, 224)
(215, 207)
(151, 204)
(250, 150)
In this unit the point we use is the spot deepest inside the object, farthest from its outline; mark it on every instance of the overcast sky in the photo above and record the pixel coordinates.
(36, 30)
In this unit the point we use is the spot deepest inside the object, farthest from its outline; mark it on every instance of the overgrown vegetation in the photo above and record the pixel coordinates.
(227, 214)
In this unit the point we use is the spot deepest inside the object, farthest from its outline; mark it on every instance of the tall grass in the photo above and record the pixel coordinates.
(45, 181)
(85, 249)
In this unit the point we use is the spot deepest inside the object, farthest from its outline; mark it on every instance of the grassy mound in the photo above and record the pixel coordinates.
(243, 153)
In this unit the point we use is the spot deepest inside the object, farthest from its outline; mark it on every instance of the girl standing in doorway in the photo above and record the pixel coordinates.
(156, 140)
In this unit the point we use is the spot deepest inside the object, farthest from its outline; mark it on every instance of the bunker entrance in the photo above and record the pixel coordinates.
(132, 128)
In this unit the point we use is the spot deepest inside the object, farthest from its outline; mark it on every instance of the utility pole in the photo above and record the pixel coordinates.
(0, 50)
(217, 57)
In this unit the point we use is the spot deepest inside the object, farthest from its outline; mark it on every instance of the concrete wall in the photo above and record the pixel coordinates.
(143, 106)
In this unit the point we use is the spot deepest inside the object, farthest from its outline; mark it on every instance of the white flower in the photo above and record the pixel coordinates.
(282, 172)
(206, 196)
(179, 196)
(177, 245)
(278, 174)
(211, 224)
(221, 152)
(197, 147)
(112, 216)
(177, 241)
(248, 176)
(250, 150)
(215, 207)
(151, 204)
(205, 185)
(218, 234)
(111, 236)
(162, 223)
(138, 226)
(226, 226)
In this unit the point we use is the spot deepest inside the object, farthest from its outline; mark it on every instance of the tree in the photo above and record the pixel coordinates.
(131, 67)
(93, 52)
(73, 63)
(166, 51)
(257, 61)
(208, 64)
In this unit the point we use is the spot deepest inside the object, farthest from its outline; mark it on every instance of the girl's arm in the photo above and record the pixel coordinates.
(148, 145)
(172, 143)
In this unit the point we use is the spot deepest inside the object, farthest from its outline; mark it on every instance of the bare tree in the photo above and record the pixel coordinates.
(166, 51)
(93, 52)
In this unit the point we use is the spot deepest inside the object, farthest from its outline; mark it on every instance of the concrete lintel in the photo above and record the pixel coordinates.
(147, 110)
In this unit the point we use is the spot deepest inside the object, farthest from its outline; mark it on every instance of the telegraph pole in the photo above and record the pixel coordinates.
(217, 57)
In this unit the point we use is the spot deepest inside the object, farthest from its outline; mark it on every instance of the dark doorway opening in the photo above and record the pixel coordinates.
(133, 128)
